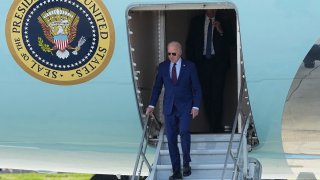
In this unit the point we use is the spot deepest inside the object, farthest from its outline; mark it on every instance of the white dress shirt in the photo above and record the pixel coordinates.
(206, 23)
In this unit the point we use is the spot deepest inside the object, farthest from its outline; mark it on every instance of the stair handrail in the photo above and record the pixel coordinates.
(242, 144)
(157, 155)
(235, 122)
(142, 149)
(229, 151)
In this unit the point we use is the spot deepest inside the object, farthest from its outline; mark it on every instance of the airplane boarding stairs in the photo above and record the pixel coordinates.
(214, 157)
(208, 154)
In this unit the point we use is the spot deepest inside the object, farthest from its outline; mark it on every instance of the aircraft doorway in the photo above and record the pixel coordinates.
(150, 28)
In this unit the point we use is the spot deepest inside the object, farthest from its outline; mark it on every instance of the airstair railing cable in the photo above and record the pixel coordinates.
(142, 150)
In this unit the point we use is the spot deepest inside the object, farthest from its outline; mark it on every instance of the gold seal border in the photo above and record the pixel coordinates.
(100, 68)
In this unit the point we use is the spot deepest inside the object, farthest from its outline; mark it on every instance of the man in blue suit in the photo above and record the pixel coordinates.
(181, 102)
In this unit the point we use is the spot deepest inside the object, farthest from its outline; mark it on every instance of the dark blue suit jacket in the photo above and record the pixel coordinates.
(184, 95)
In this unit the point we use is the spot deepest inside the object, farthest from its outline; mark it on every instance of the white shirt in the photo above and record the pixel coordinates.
(206, 23)
(178, 67)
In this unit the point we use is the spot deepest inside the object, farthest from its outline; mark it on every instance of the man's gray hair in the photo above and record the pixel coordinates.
(176, 44)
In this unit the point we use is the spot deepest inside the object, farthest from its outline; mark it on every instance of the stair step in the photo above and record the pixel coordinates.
(199, 167)
(210, 138)
(190, 178)
(209, 171)
(206, 145)
(193, 178)
(197, 159)
(201, 152)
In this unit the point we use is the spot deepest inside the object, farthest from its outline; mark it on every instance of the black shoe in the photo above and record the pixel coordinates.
(186, 170)
(176, 176)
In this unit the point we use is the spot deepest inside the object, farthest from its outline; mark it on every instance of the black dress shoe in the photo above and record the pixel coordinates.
(176, 176)
(186, 170)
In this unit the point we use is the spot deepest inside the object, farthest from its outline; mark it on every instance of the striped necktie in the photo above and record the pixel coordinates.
(209, 40)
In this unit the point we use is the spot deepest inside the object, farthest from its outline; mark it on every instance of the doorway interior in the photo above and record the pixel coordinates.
(150, 28)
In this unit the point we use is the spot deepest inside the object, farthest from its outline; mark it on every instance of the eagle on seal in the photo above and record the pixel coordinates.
(61, 33)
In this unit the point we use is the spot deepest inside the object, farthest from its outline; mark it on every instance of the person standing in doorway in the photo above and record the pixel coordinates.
(181, 103)
(207, 45)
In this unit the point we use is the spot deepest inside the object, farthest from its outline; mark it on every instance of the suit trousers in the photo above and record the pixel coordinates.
(178, 123)
(212, 78)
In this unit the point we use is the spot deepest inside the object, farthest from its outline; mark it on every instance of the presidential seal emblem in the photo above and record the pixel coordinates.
(60, 41)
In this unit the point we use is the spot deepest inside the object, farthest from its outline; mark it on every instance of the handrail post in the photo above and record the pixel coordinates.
(229, 151)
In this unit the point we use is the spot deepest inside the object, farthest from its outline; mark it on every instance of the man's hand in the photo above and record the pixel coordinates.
(149, 110)
(217, 25)
(194, 112)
